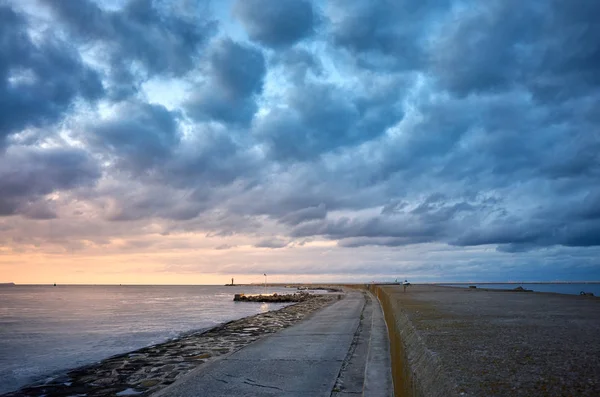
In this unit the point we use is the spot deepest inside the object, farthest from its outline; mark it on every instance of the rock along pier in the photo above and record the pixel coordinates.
(273, 298)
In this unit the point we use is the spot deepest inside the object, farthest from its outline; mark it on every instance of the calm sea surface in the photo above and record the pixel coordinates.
(569, 289)
(45, 330)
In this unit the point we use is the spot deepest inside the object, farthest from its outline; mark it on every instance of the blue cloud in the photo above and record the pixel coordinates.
(235, 78)
(376, 124)
(39, 79)
(276, 23)
(140, 40)
(28, 174)
(319, 118)
(139, 135)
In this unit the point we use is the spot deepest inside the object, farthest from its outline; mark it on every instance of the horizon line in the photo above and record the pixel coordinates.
(320, 283)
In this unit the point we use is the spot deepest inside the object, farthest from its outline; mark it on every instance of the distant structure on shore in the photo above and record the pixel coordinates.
(230, 285)
(7, 284)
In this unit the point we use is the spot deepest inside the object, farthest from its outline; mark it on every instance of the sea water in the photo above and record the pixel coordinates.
(558, 288)
(45, 330)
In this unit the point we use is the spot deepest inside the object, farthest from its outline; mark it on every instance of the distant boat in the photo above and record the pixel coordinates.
(55, 284)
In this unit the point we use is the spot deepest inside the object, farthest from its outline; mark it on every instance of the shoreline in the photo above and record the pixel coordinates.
(150, 369)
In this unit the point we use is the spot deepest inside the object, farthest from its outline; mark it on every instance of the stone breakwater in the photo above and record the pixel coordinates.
(275, 298)
(152, 368)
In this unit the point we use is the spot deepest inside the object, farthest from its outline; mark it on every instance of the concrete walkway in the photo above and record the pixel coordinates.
(303, 360)
(367, 371)
(378, 369)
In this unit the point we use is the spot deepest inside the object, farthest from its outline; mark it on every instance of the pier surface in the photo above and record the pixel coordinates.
(307, 359)
(472, 342)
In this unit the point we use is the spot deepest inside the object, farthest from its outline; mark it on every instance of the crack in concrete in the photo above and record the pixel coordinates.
(220, 380)
(251, 383)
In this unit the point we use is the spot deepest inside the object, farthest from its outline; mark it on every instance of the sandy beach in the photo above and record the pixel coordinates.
(471, 342)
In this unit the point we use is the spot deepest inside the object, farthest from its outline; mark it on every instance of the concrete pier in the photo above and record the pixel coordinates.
(303, 360)
(471, 342)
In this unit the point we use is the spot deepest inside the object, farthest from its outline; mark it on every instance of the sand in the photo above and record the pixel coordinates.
(498, 343)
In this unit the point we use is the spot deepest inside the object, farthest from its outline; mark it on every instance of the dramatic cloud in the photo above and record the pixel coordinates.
(28, 175)
(137, 136)
(441, 139)
(39, 78)
(272, 243)
(318, 118)
(236, 73)
(144, 37)
(276, 23)
(304, 214)
(551, 51)
(386, 34)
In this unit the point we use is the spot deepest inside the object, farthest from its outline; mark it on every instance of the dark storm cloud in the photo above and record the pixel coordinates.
(393, 123)
(26, 175)
(147, 202)
(488, 142)
(273, 243)
(276, 23)
(372, 227)
(304, 215)
(551, 49)
(209, 158)
(39, 79)
(570, 222)
(385, 34)
(144, 33)
(355, 242)
(40, 210)
(175, 178)
(237, 69)
(297, 63)
(235, 77)
(492, 37)
(320, 118)
(138, 136)
(435, 218)
(282, 202)
(209, 104)
(317, 119)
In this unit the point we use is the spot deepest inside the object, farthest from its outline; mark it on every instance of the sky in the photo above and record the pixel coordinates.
(191, 141)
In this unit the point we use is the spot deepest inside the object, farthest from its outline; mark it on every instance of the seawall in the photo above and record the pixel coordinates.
(467, 342)
(416, 371)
